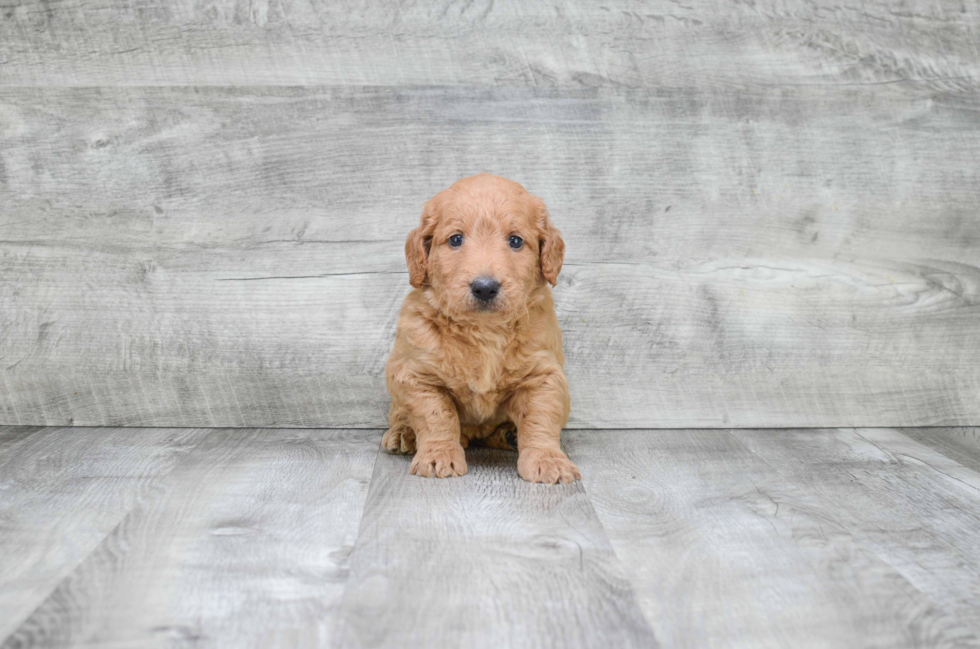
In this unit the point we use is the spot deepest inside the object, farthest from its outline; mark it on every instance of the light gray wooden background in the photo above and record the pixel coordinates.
(711, 538)
(772, 208)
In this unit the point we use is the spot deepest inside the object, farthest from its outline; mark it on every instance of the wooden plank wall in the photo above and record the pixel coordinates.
(772, 209)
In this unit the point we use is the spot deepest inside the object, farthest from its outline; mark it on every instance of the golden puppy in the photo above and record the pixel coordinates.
(478, 347)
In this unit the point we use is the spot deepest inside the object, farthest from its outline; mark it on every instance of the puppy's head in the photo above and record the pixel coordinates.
(483, 245)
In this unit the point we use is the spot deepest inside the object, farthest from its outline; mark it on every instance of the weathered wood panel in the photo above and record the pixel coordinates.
(486, 560)
(959, 444)
(123, 235)
(11, 436)
(62, 491)
(216, 257)
(904, 501)
(675, 175)
(724, 550)
(714, 538)
(245, 543)
(488, 42)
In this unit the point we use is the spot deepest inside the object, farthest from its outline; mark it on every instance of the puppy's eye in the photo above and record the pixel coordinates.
(515, 242)
(456, 240)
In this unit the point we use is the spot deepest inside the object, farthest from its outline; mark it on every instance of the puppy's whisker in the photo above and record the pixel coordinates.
(527, 312)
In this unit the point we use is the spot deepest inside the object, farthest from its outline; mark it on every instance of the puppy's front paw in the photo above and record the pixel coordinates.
(399, 440)
(548, 466)
(442, 461)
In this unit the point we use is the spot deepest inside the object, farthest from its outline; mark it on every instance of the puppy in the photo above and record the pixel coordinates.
(478, 349)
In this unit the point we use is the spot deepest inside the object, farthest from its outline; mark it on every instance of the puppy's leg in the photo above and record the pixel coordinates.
(433, 417)
(399, 438)
(540, 410)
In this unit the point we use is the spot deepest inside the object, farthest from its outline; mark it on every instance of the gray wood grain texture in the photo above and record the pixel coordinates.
(791, 256)
(732, 547)
(245, 543)
(62, 491)
(489, 42)
(485, 560)
(707, 538)
(959, 444)
(913, 507)
(12, 435)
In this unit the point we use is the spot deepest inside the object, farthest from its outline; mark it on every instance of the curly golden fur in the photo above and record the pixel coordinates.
(478, 349)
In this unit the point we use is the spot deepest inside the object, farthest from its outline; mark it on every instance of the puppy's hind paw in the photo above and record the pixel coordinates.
(439, 461)
(399, 440)
(546, 466)
(504, 437)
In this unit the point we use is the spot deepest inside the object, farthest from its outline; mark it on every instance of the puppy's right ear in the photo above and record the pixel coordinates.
(418, 243)
(552, 251)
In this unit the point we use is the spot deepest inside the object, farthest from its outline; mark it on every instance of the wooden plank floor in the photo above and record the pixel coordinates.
(310, 538)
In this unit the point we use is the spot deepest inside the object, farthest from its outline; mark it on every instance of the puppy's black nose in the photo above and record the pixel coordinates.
(484, 288)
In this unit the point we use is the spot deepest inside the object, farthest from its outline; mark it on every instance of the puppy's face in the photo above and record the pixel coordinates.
(484, 245)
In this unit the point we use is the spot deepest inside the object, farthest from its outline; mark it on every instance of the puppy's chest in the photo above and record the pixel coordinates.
(480, 381)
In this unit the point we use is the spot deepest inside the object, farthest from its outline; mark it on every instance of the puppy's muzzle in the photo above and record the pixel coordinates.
(485, 289)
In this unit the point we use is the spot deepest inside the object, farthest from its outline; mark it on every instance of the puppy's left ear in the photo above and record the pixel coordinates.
(552, 250)
(419, 242)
